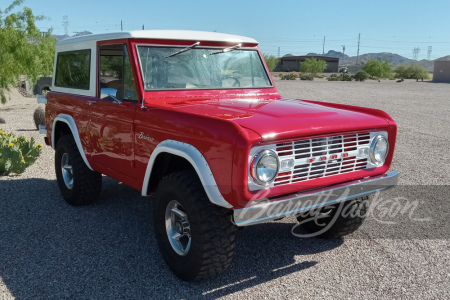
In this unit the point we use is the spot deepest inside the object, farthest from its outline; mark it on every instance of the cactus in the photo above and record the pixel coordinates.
(39, 116)
(17, 153)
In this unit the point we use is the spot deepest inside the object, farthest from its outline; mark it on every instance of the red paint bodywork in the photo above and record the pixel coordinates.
(222, 124)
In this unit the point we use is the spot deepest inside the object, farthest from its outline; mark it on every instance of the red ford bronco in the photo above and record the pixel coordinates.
(194, 119)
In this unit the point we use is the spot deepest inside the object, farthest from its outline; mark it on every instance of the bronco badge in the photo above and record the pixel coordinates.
(143, 136)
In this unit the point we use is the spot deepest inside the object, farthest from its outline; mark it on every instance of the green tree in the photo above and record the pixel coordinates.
(411, 72)
(24, 49)
(378, 68)
(313, 66)
(271, 61)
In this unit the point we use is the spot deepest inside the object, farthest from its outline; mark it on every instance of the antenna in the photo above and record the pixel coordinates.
(65, 24)
(429, 52)
(343, 54)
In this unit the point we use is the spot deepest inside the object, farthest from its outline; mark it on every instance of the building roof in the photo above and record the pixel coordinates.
(186, 35)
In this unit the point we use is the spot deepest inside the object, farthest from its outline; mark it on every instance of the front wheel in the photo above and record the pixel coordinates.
(337, 220)
(196, 238)
(78, 184)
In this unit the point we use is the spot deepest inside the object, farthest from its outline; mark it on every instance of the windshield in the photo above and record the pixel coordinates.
(201, 69)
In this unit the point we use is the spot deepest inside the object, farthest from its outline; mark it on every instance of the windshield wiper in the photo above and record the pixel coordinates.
(227, 49)
(184, 50)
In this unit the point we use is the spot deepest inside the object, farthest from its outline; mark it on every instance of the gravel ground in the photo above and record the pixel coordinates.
(49, 250)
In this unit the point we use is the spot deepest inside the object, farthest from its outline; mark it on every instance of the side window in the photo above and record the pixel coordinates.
(128, 78)
(73, 69)
(115, 74)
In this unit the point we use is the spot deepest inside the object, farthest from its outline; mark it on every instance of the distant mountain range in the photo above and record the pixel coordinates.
(393, 58)
(66, 36)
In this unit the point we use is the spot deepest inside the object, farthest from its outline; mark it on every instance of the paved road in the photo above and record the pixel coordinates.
(49, 250)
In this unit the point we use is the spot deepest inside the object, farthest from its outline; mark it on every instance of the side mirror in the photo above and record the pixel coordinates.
(108, 92)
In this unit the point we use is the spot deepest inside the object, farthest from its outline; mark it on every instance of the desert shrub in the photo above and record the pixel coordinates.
(378, 68)
(296, 74)
(280, 75)
(361, 76)
(313, 66)
(307, 77)
(320, 76)
(341, 77)
(271, 61)
(39, 116)
(334, 77)
(17, 153)
(346, 77)
(411, 72)
(288, 76)
(2, 121)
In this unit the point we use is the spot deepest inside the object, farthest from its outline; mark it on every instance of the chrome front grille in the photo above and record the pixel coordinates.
(323, 157)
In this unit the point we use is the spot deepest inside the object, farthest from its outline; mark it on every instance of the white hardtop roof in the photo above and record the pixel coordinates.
(186, 35)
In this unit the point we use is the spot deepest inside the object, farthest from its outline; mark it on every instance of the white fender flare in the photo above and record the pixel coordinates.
(191, 154)
(73, 127)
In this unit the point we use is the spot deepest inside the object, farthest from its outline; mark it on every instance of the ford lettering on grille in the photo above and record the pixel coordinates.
(323, 157)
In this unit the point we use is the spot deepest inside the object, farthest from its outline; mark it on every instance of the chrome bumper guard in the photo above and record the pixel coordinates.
(266, 210)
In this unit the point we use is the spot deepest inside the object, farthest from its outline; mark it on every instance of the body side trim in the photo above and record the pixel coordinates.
(191, 154)
(73, 127)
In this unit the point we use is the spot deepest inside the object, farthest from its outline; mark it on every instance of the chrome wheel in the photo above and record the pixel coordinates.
(178, 228)
(67, 171)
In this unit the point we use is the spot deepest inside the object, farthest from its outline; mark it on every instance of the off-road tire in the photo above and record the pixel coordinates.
(87, 184)
(343, 224)
(212, 232)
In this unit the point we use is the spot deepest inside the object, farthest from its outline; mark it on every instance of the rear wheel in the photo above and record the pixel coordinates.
(78, 184)
(195, 237)
(336, 220)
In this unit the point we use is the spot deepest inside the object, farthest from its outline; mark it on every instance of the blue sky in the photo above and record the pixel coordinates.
(297, 27)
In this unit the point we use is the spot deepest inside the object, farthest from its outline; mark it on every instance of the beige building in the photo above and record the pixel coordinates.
(441, 71)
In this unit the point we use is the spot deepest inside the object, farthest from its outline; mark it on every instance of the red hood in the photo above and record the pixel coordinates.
(285, 118)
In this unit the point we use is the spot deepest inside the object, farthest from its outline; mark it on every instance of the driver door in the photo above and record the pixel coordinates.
(112, 115)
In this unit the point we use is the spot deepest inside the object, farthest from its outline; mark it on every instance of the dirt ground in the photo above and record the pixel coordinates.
(49, 250)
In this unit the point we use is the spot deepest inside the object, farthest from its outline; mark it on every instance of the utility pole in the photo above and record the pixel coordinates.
(343, 54)
(429, 52)
(121, 25)
(65, 24)
(323, 49)
(357, 55)
(279, 55)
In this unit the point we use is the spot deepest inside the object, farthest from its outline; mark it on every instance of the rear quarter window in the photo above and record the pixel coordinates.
(73, 69)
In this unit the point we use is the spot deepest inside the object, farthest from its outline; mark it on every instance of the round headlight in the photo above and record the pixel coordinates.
(378, 149)
(265, 167)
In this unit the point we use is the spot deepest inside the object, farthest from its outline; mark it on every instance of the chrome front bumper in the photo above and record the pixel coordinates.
(265, 209)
